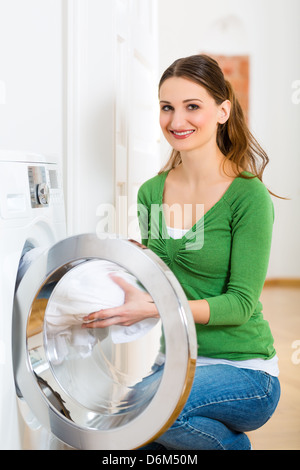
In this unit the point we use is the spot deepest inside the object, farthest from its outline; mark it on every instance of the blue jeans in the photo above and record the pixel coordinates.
(224, 403)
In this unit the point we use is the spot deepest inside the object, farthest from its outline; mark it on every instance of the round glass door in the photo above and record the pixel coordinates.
(102, 388)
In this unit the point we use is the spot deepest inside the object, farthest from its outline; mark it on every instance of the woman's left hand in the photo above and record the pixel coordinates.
(137, 306)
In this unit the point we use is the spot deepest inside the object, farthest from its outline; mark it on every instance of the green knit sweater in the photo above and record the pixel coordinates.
(222, 259)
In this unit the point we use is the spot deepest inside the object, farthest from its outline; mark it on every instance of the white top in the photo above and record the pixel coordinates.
(270, 366)
(176, 233)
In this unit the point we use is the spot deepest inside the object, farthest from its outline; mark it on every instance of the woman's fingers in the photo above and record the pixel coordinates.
(102, 323)
(137, 243)
(103, 314)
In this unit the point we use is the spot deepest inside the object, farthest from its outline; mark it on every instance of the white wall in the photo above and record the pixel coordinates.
(269, 32)
(31, 69)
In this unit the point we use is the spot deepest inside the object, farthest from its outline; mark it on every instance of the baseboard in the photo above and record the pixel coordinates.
(283, 282)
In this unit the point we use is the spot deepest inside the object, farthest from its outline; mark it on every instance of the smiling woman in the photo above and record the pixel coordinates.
(215, 163)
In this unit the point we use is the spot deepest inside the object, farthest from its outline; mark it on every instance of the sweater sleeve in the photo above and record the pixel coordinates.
(252, 225)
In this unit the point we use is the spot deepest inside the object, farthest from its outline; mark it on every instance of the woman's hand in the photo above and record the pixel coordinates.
(137, 306)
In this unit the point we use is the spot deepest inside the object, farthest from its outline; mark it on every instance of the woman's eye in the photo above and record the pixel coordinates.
(192, 107)
(167, 108)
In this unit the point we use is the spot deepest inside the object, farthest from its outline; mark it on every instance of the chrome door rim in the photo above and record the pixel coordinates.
(178, 326)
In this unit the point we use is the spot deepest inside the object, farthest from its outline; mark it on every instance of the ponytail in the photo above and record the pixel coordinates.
(236, 142)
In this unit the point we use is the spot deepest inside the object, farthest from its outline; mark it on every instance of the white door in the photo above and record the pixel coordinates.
(111, 118)
(137, 131)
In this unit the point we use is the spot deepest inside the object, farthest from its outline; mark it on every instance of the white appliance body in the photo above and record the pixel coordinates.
(32, 215)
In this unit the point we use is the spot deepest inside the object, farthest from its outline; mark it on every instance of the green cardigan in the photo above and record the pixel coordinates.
(222, 259)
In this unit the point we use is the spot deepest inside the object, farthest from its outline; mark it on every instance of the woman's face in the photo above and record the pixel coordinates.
(189, 116)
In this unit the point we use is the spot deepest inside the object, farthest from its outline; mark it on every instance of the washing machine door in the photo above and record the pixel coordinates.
(101, 388)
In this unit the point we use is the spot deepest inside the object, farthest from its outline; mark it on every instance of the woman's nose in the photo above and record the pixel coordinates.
(178, 120)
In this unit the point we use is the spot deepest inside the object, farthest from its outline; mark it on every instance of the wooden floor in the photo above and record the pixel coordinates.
(282, 310)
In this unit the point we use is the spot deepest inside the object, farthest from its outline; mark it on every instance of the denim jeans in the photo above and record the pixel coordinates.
(225, 402)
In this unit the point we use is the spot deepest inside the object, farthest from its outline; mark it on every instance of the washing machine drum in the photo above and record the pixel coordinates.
(101, 388)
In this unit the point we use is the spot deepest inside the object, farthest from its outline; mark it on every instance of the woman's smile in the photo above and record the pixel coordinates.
(181, 134)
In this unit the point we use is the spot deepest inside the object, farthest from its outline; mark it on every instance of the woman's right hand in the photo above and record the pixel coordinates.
(137, 306)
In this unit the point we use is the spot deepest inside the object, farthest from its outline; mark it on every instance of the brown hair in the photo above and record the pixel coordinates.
(234, 139)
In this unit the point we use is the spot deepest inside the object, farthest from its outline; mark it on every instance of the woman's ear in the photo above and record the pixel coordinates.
(224, 111)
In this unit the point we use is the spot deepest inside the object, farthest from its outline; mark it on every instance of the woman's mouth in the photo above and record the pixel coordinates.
(182, 134)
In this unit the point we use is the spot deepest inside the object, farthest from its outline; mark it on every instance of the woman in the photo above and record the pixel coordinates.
(215, 234)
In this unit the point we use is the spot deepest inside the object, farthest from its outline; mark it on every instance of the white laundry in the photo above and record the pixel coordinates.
(85, 289)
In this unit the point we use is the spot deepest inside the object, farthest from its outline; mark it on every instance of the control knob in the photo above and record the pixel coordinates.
(43, 194)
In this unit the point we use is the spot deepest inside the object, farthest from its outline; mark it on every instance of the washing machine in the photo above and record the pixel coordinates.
(31, 216)
(64, 386)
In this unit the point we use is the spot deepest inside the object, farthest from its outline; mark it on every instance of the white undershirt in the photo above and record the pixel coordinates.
(176, 233)
(270, 366)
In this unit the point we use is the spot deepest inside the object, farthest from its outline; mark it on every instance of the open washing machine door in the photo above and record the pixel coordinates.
(116, 388)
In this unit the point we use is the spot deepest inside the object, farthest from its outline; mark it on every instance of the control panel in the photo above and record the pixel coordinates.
(43, 184)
